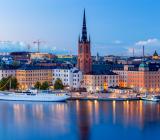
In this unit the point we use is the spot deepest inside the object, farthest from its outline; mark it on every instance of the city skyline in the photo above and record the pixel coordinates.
(110, 29)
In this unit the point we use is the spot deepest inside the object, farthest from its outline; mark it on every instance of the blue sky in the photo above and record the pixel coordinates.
(115, 26)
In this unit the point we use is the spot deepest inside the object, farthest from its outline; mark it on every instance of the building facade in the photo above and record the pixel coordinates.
(70, 77)
(28, 76)
(100, 82)
(23, 57)
(6, 72)
(41, 56)
(84, 51)
(145, 78)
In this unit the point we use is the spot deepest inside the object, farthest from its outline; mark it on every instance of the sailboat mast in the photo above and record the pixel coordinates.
(10, 84)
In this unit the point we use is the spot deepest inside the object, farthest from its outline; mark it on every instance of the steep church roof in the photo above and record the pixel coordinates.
(84, 37)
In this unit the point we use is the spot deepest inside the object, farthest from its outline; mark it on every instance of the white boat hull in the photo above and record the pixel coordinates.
(150, 99)
(35, 98)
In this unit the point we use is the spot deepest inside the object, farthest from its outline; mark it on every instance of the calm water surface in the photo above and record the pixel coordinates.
(80, 120)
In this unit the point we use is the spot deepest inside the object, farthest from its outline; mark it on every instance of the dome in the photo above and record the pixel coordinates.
(143, 65)
(155, 53)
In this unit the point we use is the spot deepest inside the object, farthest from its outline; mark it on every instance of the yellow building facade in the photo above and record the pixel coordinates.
(100, 82)
(27, 78)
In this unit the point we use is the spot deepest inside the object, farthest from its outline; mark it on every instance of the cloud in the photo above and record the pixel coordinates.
(149, 42)
(116, 47)
(130, 50)
(54, 48)
(150, 45)
(109, 48)
(11, 46)
(117, 42)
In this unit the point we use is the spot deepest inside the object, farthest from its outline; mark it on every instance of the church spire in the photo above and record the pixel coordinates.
(84, 50)
(84, 28)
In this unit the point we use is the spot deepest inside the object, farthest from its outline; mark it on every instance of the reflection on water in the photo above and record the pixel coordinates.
(19, 113)
(83, 120)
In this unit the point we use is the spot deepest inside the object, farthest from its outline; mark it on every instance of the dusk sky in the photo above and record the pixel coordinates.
(115, 26)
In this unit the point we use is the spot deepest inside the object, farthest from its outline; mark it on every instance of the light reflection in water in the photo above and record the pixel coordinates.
(77, 119)
(132, 112)
(19, 111)
(38, 111)
(114, 111)
(96, 107)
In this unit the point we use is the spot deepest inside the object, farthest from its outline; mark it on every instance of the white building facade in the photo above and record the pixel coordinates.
(4, 73)
(70, 77)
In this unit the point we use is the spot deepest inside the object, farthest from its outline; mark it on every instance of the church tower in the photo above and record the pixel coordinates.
(84, 50)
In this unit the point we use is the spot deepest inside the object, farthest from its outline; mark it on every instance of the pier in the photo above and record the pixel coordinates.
(103, 96)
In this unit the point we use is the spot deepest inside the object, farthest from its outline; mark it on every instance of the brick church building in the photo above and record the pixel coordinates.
(84, 50)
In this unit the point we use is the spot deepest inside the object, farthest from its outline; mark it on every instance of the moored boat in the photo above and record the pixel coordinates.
(153, 98)
(35, 97)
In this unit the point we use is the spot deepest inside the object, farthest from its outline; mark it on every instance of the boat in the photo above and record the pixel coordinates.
(34, 96)
(153, 98)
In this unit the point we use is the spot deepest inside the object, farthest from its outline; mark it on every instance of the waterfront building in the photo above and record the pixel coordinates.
(6, 71)
(84, 50)
(70, 77)
(122, 71)
(97, 82)
(27, 76)
(120, 90)
(142, 78)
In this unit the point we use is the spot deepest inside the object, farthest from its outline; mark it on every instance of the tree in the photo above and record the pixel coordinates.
(37, 85)
(3, 84)
(8, 83)
(14, 83)
(45, 85)
(58, 85)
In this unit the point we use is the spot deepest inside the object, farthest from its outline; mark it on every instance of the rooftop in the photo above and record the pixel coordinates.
(103, 73)
(33, 67)
(19, 53)
(7, 67)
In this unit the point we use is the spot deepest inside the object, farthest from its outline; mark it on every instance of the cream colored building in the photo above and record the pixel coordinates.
(100, 82)
(29, 75)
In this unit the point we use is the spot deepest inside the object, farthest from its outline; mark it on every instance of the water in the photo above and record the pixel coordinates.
(80, 120)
